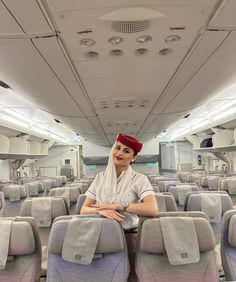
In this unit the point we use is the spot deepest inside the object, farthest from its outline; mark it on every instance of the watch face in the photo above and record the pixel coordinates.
(125, 205)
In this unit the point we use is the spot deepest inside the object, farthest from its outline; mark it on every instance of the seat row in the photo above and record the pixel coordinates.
(81, 250)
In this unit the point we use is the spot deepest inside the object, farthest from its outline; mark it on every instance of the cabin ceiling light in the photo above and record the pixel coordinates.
(172, 38)
(116, 52)
(144, 39)
(131, 19)
(115, 40)
(87, 42)
(13, 120)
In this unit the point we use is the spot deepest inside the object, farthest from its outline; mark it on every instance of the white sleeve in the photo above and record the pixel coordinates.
(91, 192)
(144, 187)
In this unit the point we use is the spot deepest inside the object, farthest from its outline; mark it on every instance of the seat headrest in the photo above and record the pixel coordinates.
(194, 201)
(22, 241)
(58, 207)
(110, 239)
(232, 231)
(151, 237)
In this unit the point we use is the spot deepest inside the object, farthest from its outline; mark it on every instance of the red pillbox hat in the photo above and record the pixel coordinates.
(130, 142)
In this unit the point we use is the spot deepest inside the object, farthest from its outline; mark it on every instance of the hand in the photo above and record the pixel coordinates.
(111, 214)
(113, 206)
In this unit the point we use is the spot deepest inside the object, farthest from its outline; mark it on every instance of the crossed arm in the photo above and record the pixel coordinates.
(148, 207)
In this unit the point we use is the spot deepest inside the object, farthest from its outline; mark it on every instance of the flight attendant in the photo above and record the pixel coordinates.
(122, 194)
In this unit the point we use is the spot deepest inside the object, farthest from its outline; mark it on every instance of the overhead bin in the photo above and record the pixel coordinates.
(19, 146)
(223, 138)
(35, 147)
(4, 144)
(44, 149)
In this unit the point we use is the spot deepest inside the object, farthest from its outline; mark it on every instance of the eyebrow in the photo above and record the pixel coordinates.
(125, 148)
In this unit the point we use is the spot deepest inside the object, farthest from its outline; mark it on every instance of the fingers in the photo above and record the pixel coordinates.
(112, 214)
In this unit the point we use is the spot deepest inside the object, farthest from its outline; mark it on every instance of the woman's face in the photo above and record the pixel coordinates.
(123, 155)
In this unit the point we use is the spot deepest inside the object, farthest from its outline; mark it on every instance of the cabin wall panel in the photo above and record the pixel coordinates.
(56, 157)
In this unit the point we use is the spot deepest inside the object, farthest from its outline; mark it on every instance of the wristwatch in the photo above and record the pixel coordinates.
(125, 206)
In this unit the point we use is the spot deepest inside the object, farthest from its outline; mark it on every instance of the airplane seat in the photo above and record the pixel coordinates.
(213, 182)
(214, 204)
(165, 202)
(196, 178)
(165, 184)
(183, 176)
(2, 204)
(189, 178)
(47, 184)
(155, 179)
(228, 184)
(155, 188)
(180, 192)
(14, 192)
(228, 245)
(44, 210)
(203, 181)
(59, 180)
(20, 251)
(83, 186)
(70, 193)
(32, 188)
(64, 179)
(80, 203)
(95, 257)
(159, 241)
(68, 171)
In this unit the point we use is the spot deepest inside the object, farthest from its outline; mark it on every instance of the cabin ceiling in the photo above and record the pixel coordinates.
(98, 94)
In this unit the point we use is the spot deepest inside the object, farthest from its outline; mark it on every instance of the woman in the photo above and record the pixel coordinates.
(119, 192)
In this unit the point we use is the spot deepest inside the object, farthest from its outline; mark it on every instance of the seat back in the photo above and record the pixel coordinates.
(165, 184)
(58, 207)
(228, 184)
(165, 202)
(153, 263)
(80, 203)
(193, 203)
(109, 263)
(24, 251)
(14, 192)
(2, 204)
(71, 192)
(228, 245)
(178, 192)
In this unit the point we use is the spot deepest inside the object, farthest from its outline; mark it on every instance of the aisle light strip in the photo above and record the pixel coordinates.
(206, 120)
(16, 115)
(34, 128)
(13, 120)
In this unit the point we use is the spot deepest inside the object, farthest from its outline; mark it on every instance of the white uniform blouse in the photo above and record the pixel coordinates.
(139, 188)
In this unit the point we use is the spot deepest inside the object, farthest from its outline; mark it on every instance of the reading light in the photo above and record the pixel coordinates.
(87, 42)
(115, 40)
